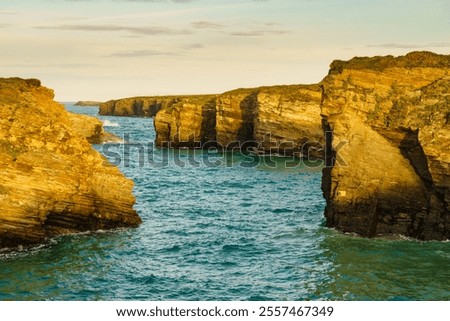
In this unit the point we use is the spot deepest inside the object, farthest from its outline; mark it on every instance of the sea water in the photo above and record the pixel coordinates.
(221, 226)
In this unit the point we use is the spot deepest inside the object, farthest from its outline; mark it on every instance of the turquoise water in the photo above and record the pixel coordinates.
(235, 230)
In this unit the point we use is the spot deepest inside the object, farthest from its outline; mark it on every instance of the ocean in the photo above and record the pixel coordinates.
(221, 226)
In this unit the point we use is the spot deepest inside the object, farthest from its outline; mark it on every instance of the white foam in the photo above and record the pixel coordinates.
(107, 123)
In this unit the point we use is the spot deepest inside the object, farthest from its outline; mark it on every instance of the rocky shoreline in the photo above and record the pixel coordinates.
(380, 123)
(52, 181)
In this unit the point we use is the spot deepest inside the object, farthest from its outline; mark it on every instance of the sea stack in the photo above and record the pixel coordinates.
(52, 181)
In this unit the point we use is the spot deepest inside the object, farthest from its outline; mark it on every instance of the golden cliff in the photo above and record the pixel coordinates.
(282, 119)
(186, 121)
(52, 181)
(134, 106)
(381, 123)
(393, 175)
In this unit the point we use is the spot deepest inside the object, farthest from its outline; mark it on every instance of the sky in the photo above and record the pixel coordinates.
(109, 49)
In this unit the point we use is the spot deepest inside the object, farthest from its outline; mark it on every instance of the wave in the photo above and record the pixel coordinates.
(107, 123)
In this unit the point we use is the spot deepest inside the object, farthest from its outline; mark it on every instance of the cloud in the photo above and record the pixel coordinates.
(394, 45)
(148, 31)
(193, 46)
(151, 1)
(178, 51)
(440, 44)
(207, 25)
(143, 53)
(257, 33)
(7, 12)
(176, 1)
(59, 66)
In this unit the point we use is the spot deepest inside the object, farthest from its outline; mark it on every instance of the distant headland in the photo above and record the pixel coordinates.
(87, 103)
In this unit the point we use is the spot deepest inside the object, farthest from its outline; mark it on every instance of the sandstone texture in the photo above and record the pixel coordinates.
(185, 121)
(135, 106)
(52, 181)
(283, 119)
(380, 123)
(393, 175)
(91, 128)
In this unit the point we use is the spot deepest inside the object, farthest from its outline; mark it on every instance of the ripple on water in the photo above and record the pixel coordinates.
(224, 233)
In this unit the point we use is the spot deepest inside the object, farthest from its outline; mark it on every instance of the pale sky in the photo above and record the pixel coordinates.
(106, 49)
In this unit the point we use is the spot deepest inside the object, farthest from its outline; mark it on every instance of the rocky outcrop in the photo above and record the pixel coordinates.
(282, 119)
(92, 129)
(87, 103)
(393, 174)
(135, 106)
(288, 120)
(185, 121)
(52, 181)
(387, 148)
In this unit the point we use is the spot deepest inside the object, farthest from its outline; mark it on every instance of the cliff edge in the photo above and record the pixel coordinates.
(389, 161)
(52, 181)
(278, 119)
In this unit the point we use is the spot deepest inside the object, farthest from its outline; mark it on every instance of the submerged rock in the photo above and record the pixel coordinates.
(52, 181)
(393, 174)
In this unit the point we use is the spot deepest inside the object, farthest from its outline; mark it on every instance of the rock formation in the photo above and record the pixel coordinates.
(52, 181)
(281, 118)
(87, 103)
(135, 106)
(92, 129)
(185, 121)
(386, 123)
(393, 175)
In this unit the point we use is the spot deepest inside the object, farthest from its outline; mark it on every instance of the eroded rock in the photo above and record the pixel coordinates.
(393, 176)
(52, 181)
(284, 119)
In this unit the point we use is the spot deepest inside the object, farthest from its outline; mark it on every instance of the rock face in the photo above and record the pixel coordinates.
(386, 122)
(281, 118)
(135, 106)
(393, 176)
(91, 128)
(291, 116)
(52, 181)
(185, 121)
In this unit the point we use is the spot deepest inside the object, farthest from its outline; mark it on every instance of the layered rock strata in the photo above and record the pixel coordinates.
(185, 121)
(387, 147)
(393, 174)
(92, 129)
(52, 181)
(135, 106)
(269, 119)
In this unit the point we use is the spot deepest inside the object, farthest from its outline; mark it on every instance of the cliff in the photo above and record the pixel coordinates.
(393, 175)
(270, 119)
(52, 181)
(87, 103)
(135, 106)
(380, 123)
(185, 121)
(91, 128)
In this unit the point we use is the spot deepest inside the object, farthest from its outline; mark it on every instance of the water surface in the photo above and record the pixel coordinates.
(234, 230)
